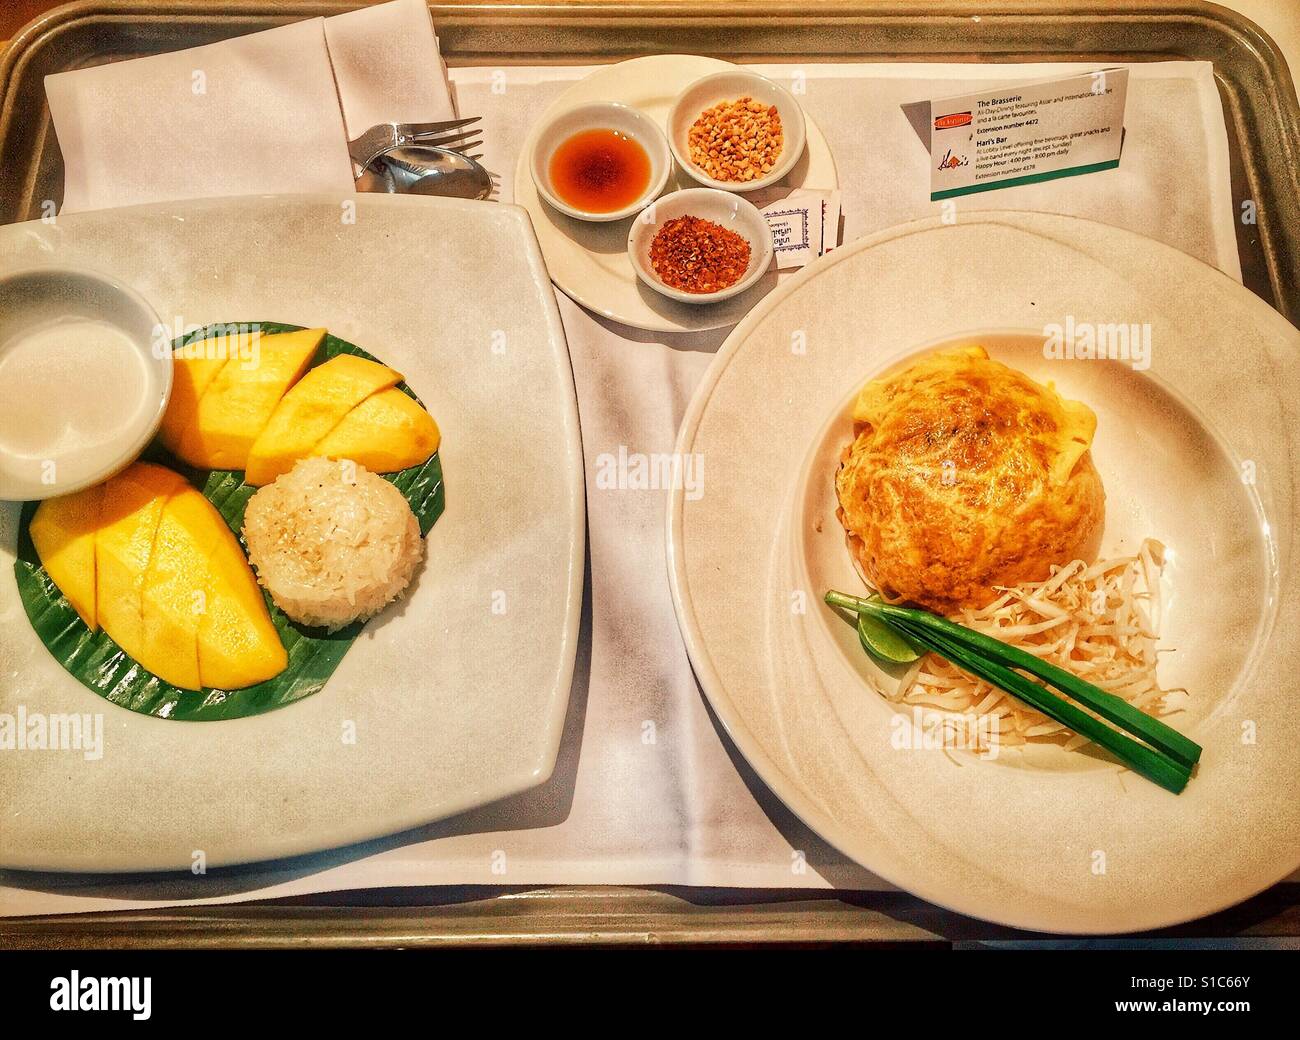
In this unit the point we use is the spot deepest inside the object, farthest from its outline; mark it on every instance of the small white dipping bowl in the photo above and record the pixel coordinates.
(607, 115)
(721, 207)
(731, 86)
(85, 376)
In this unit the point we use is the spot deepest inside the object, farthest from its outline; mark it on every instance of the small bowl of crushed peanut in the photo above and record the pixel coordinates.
(700, 245)
(736, 131)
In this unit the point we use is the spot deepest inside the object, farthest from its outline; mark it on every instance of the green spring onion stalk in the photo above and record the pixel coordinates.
(1155, 766)
(1168, 765)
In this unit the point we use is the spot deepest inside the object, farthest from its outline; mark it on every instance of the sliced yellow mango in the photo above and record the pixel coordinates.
(194, 367)
(175, 587)
(309, 411)
(239, 401)
(129, 511)
(386, 432)
(149, 558)
(63, 532)
(238, 644)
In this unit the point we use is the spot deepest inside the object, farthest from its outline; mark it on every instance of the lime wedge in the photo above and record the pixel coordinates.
(879, 640)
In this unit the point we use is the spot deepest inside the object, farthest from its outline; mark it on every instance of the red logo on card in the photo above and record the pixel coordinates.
(954, 120)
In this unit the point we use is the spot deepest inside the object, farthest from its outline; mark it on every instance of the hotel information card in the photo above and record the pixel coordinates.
(1020, 135)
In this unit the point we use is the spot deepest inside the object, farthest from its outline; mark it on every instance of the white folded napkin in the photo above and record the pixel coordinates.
(265, 113)
(387, 66)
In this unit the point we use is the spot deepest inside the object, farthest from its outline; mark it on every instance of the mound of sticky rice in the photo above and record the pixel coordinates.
(332, 542)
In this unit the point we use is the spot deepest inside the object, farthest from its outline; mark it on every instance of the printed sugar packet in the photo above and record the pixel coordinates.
(805, 223)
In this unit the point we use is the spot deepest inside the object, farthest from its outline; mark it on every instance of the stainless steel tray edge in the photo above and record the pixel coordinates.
(594, 915)
(1262, 110)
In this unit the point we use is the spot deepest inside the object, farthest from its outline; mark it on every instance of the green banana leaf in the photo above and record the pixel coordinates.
(102, 666)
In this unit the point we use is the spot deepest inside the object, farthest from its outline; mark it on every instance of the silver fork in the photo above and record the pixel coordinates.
(449, 133)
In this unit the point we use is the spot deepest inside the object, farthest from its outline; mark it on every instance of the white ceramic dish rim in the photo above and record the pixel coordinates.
(657, 142)
(164, 372)
(784, 165)
(350, 832)
(702, 663)
(637, 233)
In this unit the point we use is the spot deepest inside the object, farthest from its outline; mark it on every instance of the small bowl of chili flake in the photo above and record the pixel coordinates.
(700, 245)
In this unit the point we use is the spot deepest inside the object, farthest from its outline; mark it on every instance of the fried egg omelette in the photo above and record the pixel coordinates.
(965, 475)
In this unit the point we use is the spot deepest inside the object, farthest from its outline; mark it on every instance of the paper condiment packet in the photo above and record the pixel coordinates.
(830, 221)
(805, 223)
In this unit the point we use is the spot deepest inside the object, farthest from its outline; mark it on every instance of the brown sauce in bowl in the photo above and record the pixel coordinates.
(599, 171)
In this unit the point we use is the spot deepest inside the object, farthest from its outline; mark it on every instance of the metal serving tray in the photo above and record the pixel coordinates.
(1263, 120)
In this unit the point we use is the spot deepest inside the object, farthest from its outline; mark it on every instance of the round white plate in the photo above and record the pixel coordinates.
(589, 261)
(1199, 450)
(455, 695)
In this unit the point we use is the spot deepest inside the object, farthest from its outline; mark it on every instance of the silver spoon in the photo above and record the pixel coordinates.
(417, 169)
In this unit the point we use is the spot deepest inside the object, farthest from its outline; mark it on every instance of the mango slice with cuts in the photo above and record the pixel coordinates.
(309, 411)
(167, 578)
(386, 432)
(238, 644)
(194, 367)
(239, 401)
(175, 590)
(130, 509)
(63, 532)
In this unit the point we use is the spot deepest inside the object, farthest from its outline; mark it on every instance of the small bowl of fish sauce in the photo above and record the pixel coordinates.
(601, 162)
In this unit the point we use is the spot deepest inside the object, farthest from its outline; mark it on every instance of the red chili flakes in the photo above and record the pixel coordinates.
(698, 256)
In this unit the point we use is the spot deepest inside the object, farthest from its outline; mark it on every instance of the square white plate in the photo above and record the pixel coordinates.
(452, 698)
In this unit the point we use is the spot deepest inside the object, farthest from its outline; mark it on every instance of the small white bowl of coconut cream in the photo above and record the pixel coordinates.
(85, 376)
